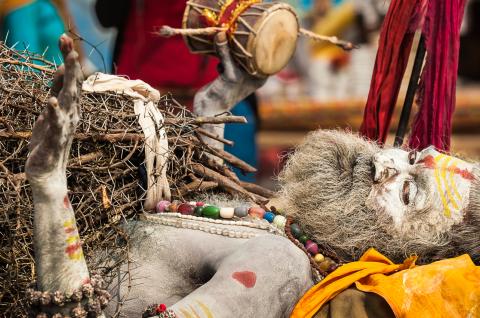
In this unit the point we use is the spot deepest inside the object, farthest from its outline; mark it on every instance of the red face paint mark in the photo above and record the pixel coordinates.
(66, 202)
(430, 163)
(247, 279)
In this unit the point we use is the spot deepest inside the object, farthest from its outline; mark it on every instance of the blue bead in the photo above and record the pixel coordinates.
(269, 216)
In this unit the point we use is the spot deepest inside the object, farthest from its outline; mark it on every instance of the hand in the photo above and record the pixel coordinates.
(233, 84)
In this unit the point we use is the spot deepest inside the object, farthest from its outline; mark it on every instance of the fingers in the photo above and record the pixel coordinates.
(229, 66)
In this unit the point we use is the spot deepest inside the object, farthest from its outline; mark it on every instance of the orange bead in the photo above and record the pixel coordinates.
(256, 212)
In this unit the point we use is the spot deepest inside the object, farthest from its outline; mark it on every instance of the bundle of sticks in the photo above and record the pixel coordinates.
(106, 175)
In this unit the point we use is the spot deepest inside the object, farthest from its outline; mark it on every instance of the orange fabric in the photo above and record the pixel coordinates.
(8, 5)
(447, 288)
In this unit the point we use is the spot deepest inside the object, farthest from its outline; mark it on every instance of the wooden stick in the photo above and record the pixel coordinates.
(222, 180)
(85, 158)
(222, 154)
(196, 185)
(167, 31)
(213, 136)
(31, 65)
(245, 167)
(225, 170)
(220, 120)
(347, 46)
(255, 188)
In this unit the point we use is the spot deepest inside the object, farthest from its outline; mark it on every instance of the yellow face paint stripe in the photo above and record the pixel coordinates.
(446, 209)
(205, 309)
(447, 187)
(452, 181)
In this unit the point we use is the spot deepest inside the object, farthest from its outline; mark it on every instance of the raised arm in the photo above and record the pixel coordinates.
(229, 88)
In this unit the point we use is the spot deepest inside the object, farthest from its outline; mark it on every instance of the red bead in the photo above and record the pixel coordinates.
(161, 308)
(311, 247)
(200, 204)
(185, 208)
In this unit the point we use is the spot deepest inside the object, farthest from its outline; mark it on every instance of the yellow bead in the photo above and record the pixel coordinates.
(319, 258)
(325, 265)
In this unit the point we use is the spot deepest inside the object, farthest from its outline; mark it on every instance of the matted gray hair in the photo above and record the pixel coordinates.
(325, 184)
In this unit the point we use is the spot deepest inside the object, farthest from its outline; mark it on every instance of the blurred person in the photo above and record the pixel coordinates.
(98, 41)
(167, 64)
(32, 24)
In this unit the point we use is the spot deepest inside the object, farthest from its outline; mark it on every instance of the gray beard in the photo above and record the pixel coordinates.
(325, 184)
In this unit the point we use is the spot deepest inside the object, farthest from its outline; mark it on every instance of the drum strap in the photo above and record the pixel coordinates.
(228, 15)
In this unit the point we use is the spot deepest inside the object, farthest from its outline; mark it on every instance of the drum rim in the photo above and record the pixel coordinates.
(252, 39)
(187, 38)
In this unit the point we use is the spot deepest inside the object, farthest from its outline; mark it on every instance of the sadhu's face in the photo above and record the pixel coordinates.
(414, 187)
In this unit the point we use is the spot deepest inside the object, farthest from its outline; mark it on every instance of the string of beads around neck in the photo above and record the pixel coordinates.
(323, 262)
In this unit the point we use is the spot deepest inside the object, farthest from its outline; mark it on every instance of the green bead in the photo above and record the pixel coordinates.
(296, 231)
(211, 212)
(303, 239)
(198, 211)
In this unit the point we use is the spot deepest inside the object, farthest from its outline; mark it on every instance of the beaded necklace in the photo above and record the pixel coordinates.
(188, 215)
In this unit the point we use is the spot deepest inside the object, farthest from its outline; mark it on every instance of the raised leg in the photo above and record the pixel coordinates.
(229, 88)
(59, 259)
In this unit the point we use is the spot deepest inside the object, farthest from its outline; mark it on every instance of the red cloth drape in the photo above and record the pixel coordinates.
(394, 47)
(433, 124)
(437, 94)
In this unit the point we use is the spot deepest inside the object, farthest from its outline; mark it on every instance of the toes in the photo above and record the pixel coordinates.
(66, 45)
(58, 80)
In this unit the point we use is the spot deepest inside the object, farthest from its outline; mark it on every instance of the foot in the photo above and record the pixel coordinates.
(53, 131)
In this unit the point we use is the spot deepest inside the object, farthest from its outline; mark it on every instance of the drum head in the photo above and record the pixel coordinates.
(276, 39)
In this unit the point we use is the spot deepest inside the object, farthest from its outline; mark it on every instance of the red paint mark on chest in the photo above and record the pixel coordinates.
(66, 202)
(430, 163)
(246, 278)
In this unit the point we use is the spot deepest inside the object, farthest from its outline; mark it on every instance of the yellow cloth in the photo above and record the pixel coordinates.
(447, 288)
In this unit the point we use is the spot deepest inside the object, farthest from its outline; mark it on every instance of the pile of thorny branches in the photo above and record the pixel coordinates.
(106, 175)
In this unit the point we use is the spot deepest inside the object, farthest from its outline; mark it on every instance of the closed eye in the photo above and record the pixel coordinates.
(412, 157)
(406, 193)
(409, 192)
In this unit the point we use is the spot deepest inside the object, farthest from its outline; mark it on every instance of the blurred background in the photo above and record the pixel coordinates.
(322, 87)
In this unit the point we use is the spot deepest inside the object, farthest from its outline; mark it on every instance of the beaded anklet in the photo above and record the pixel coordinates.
(89, 300)
(324, 263)
(159, 310)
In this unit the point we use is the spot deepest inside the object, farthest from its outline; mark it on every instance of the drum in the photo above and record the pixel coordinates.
(262, 38)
